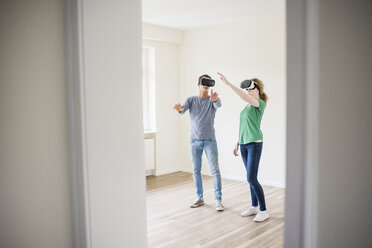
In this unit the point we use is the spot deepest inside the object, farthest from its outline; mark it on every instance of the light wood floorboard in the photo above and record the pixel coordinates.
(173, 224)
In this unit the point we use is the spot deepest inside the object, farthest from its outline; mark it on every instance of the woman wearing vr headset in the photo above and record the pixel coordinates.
(251, 140)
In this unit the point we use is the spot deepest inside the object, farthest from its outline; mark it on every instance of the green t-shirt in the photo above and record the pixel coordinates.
(250, 122)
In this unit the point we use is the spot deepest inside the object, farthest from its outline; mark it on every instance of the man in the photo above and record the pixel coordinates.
(202, 111)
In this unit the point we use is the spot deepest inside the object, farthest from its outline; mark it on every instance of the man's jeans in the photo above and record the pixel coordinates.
(210, 148)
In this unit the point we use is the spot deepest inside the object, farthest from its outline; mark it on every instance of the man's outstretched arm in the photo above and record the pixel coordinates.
(182, 109)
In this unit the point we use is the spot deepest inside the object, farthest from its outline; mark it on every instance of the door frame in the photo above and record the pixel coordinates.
(302, 124)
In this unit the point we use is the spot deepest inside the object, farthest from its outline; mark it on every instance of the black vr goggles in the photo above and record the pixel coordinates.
(207, 82)
(248, 84)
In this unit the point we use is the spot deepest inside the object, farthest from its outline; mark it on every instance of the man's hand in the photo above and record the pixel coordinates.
(214, 96)
(178, 107)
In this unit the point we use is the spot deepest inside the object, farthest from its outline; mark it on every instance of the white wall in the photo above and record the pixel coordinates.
(110, 59)
(255, 48)
(35, 207)
(345, 121)
(166, 44)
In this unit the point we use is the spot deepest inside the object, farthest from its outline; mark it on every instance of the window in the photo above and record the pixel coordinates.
(148, 89)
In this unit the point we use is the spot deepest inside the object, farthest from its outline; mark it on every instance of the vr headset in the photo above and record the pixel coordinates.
(248, 84)
(207, 82)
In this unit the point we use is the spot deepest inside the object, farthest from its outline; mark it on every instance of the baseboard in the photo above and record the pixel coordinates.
(244, 179)
(166, 171)
(186, 170)
(150, 172)
(273, 184)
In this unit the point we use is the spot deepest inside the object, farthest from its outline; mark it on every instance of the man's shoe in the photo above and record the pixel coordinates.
(198, 202)
(261, 216)
(219, 206)
(250, 211)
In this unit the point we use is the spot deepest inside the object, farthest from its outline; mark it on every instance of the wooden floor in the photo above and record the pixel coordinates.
(173, 224)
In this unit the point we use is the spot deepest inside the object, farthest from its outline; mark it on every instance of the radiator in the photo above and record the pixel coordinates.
(150, 153)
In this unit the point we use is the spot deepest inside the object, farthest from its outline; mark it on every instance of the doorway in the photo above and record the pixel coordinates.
(190, 40)
(92, 182)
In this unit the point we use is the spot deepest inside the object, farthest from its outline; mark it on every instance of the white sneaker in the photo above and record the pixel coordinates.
(219, 206)
(250, 211)
(197, 202)
(261, 216)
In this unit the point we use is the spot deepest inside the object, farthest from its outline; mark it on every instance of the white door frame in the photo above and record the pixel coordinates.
(104, 199)
(302, 125)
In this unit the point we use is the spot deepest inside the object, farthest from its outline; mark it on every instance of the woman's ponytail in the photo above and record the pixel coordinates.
(262, 93)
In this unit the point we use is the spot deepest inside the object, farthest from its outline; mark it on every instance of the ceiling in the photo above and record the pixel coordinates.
(191, 14)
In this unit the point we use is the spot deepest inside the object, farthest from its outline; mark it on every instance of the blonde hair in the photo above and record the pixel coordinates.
(261, 91)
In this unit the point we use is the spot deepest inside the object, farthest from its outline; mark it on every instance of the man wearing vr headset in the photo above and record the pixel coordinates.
(202, 110)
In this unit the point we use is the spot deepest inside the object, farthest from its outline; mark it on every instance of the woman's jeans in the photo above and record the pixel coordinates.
(251, 154)
(210, 147)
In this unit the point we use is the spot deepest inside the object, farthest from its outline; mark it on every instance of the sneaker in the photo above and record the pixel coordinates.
(198, 202)
(219, 206)
(250, 211)
(261, 216)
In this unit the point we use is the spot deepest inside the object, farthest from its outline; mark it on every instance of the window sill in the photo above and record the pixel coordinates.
(150, 134)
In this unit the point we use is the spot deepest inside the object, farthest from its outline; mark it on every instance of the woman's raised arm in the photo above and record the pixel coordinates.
(246, 97)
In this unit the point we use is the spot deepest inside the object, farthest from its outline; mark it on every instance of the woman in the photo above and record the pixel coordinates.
(251, 140)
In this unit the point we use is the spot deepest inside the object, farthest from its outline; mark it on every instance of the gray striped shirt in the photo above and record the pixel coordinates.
(202, 112)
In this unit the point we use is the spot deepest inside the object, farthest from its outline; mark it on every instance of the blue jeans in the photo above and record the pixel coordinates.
(251, 154)
(210, 147)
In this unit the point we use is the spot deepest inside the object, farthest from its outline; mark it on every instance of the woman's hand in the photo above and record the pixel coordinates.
(223, 78)
(178, 107)
(236, 149)
(243, 95)
(214, 96)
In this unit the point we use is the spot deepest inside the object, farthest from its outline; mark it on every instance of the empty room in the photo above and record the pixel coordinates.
(182, 42)
(135, 124)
